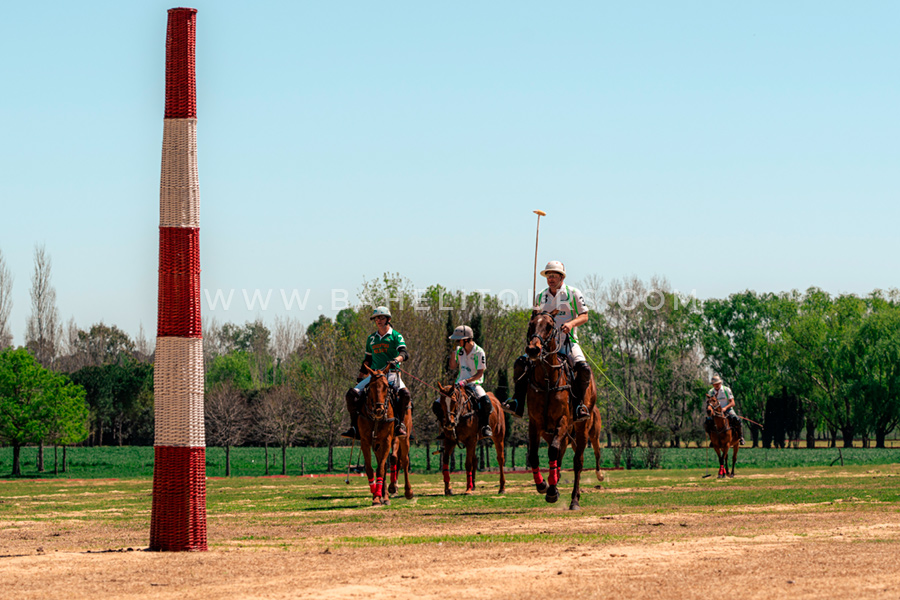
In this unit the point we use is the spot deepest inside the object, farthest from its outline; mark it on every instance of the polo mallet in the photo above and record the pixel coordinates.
(350, 461)
(537, 233)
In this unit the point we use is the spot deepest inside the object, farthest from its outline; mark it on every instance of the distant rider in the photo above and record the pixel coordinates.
(725, 397)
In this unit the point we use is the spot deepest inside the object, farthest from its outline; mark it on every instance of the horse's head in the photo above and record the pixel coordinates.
(451, 401)
(377, 393)
(541, 334)
(713, 408)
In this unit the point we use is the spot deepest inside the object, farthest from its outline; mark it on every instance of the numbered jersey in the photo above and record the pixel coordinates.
(384, 349)
(470, 363)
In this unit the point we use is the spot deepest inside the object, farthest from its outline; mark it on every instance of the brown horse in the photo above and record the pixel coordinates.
(721, 437)
(460, 426)
(376, 432)
(550, 415)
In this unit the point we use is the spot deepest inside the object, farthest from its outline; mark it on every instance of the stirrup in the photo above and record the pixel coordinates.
(511, 407)
(400, 429)
(486, 431)
(581, 413)
(351, 433)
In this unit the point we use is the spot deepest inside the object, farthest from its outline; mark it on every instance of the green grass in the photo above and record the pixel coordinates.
(137, 461)
(300, 511)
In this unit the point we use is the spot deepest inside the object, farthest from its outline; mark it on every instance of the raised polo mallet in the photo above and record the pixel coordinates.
(537, 233)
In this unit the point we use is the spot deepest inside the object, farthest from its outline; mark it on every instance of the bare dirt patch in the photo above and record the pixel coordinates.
(810, 550)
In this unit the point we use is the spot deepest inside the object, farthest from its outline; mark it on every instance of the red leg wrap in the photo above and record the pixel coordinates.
(446, 472)
(553, 476)
(536, 471)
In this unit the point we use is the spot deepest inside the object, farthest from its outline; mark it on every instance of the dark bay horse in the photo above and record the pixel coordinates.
(550, 415)
(376, 432)
(460, 425)
(721, 437)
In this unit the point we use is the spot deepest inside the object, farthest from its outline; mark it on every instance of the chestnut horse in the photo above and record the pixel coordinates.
(376, 431)
(460, 427)
(721, 437)
(550, 415)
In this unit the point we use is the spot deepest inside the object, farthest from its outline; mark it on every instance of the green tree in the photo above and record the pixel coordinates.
(820, 336)
(874, 356)
(37, 404)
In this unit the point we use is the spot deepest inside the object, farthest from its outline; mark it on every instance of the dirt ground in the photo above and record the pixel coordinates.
(739, 552)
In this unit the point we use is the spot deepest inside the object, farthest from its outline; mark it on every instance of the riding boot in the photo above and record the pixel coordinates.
(516, 404)
(484, 416)
(403, 401)
(738, 426)
(438, 411)
(580, 386)
(352, 398)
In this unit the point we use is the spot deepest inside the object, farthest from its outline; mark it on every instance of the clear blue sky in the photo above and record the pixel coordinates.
(723, 145)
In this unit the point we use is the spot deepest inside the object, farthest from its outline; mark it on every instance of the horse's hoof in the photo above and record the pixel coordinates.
(574, 506)
(392, 489)
(376, 501)
(501, 491)
(552, 494)
(448, 492)
(731, 476)
(600, 476)
(386, 501)
(542, 487)
(408, 495)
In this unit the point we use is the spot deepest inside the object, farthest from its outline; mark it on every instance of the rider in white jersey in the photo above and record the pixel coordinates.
(573, 312)
(470, 359)
(725, 397)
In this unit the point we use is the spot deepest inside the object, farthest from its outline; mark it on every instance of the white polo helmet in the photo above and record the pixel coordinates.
(554, 266)
(381, 311)
(463, 332)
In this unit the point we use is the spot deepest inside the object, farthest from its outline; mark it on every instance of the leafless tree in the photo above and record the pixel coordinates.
(142, 346)
(43, 330)
(287, 335)
(324, 373)
(279, 419)
(228, 419)
(6, 281)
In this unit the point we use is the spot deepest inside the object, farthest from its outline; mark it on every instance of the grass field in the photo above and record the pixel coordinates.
(806, 532)
(137, 461)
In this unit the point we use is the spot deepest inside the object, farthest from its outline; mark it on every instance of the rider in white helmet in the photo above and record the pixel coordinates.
(573, 311)
(384, 347)
(725, 397)
(469, 358)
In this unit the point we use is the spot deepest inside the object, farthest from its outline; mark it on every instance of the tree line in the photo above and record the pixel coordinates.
(799, 363)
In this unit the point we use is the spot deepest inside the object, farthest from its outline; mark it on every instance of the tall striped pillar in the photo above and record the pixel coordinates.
(178, 519)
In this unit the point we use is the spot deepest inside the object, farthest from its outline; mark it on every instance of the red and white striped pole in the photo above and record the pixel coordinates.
(178, 518)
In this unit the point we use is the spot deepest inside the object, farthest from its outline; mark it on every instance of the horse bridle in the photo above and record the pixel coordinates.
(545, 342)
(461, 403)
(379, 406)
(716, 412)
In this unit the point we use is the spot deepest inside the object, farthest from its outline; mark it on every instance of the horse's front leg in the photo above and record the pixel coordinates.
(447, 450)
(534, 442)
(722, 454)
(370, 473)
(471, 444)
(382, 452)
